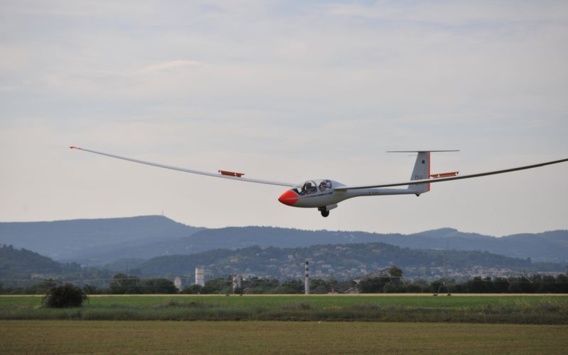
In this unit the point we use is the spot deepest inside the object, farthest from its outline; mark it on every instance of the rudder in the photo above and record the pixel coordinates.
(421, 171)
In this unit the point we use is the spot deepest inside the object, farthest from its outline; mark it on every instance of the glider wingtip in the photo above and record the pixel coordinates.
(74, 147)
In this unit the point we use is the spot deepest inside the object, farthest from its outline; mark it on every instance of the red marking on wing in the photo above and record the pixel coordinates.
(230, 173)
(441, 175)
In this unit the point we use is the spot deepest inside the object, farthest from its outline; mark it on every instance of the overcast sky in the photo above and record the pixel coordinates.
(287, 91)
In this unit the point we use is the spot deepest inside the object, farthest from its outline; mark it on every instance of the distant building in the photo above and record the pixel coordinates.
(200, 276)
(237, 282)
(177, 283)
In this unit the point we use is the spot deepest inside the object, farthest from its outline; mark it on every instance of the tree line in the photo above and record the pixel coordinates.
(389, 281)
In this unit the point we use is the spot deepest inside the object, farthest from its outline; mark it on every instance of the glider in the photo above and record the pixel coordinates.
(325, 194)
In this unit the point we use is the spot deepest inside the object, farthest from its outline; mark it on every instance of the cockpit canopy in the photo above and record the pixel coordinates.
(311, 187)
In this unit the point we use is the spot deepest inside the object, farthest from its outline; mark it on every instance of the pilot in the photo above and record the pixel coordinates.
(324, 185)
(308, 188)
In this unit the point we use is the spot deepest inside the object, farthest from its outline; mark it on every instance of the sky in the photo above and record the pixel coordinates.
(286, 91)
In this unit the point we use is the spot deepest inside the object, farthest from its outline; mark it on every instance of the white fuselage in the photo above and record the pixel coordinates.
(322, 193)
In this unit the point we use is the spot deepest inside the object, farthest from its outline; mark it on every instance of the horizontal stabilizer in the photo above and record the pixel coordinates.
(422, 151)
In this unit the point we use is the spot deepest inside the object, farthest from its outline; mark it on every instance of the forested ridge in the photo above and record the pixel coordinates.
(21, 268)
(103, 241)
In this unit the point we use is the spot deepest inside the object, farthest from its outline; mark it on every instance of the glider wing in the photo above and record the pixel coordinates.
(222, 173)
(444, 179)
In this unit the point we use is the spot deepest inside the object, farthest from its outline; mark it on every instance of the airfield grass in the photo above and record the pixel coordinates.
(315, 324)
(511, 309)
(269, 337)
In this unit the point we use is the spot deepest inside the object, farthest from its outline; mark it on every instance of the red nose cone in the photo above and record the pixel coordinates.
(288, 198)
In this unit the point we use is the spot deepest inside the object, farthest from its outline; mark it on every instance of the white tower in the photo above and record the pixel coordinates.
(200, 275)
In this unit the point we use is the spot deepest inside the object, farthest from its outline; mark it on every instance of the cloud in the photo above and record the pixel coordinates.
(455, 13)
(284, 91)
(173, 66)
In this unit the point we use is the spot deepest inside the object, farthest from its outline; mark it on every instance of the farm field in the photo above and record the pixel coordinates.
(269, 337)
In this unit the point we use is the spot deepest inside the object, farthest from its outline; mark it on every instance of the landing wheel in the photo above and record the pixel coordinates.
(324, 213)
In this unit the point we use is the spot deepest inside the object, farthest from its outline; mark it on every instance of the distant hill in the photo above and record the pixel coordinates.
(101, 241)
(342, 261)
(22, 268)
(24, 262)
(78, 240)
(21, 264)
(543, 247)
(546, 247)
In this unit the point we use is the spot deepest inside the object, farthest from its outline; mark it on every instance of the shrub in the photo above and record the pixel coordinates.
(64, 296)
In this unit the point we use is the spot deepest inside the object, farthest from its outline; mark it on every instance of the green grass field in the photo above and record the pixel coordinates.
(534, 309)
(315, 324)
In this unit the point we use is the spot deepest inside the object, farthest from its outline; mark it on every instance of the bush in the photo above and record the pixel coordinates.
(64, 296)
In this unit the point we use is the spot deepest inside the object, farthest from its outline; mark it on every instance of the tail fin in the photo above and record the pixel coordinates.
(421, 171)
